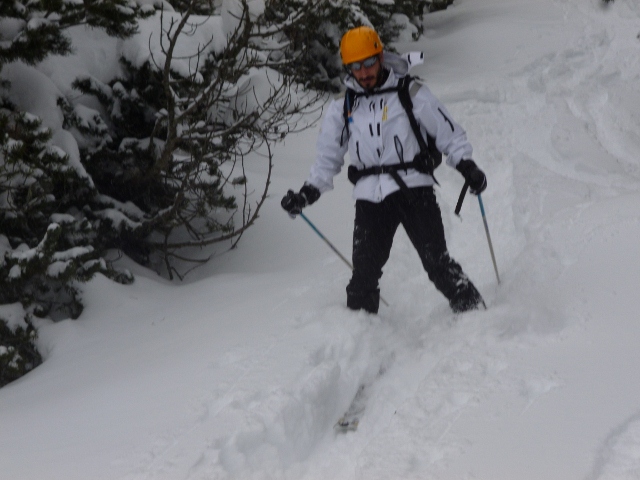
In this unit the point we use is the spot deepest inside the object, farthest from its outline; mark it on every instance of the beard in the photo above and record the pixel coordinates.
(371, 81)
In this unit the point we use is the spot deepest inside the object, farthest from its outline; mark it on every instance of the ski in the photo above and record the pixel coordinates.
(351, 418)
(345, 424)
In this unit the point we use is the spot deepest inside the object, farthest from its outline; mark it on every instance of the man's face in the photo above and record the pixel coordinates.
(367, 76)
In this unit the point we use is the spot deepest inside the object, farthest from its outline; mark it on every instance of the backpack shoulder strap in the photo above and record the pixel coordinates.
(406, 86)
(413, 91)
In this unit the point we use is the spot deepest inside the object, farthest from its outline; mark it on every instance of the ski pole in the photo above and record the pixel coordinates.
(486, 229)
(336, 251)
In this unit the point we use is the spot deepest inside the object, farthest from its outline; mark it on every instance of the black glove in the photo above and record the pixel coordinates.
(293, 202)
(473, 176)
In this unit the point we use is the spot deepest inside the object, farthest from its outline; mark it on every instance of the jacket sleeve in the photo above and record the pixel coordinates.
(331, 147)
(450, 137)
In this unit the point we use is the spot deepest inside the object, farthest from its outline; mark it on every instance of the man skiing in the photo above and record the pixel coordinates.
(391, 168)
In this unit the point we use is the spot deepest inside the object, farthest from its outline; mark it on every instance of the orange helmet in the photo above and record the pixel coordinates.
(358, 44)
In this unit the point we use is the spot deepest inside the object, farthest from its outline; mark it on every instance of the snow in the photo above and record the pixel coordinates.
(241, 371)
(33, 92)
(202, 34)
(13, 314)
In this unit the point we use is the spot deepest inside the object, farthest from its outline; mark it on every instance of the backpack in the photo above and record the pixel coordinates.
(425, 161)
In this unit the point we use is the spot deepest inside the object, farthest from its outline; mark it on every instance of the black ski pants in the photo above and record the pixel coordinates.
(374, 228)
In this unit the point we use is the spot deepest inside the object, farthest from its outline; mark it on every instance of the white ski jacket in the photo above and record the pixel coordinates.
(380, 134)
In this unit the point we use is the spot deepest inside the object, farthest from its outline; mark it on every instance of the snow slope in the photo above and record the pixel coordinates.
(241, 372)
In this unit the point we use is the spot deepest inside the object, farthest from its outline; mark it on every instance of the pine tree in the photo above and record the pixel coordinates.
(313, 43)
(42, 193)
(384, 16)
(435, 5)
(51, 239)
(46, 239)
(18, 354)
(34, 30)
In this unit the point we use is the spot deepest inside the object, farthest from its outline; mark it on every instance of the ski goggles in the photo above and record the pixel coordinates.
(367, 63)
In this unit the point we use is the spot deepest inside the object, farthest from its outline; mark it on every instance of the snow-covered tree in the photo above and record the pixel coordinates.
(45, 239)
(435, 5)
(41, 191)
(18, 353)
(33, 30)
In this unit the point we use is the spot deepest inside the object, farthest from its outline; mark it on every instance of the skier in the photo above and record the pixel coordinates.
(391, 171)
